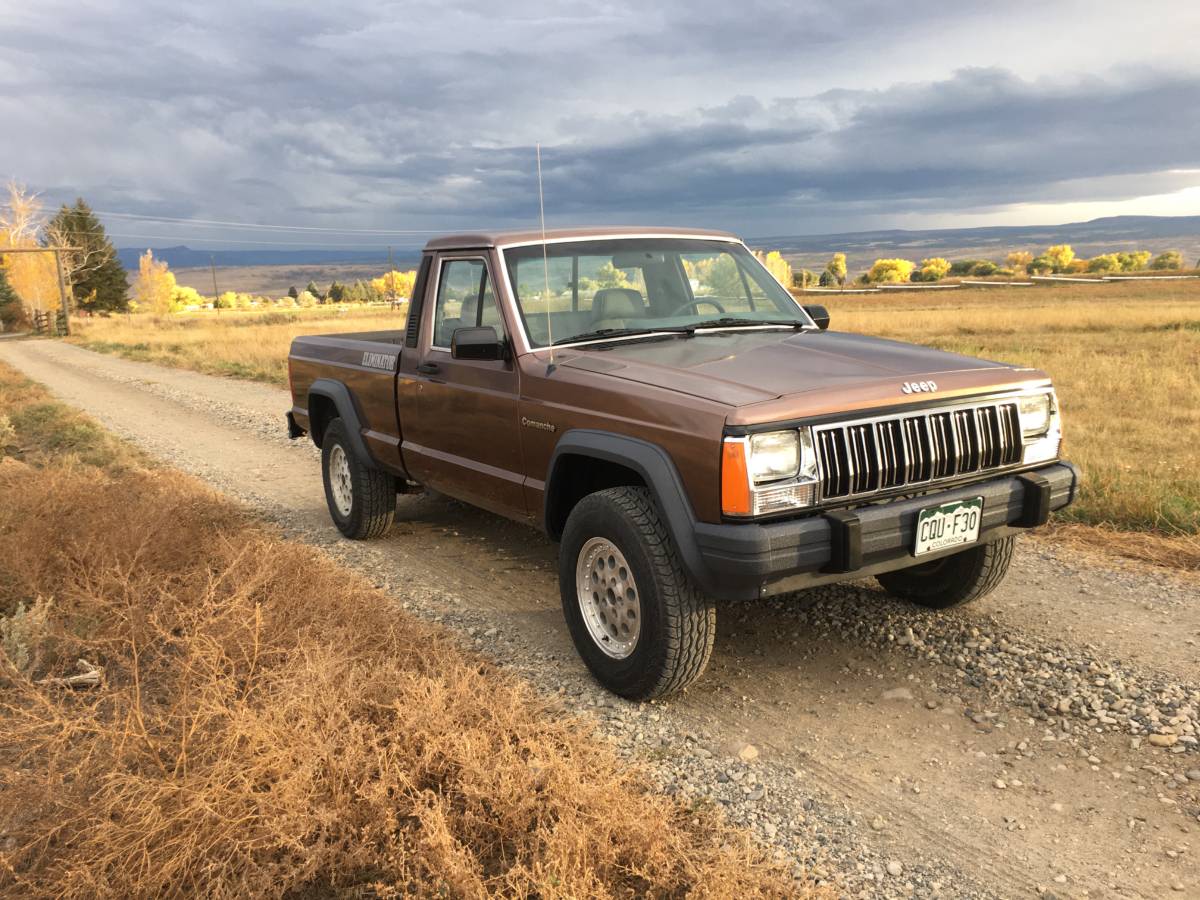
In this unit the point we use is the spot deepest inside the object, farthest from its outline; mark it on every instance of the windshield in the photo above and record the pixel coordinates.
(604, 288)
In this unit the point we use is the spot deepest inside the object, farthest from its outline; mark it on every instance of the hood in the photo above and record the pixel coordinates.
(748, 368)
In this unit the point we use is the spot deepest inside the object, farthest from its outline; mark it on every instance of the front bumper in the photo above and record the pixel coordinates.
(744, 561)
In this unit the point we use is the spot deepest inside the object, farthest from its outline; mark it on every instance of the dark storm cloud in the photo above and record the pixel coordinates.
(423, 114)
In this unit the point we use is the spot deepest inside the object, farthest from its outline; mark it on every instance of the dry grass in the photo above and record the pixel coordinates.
(36, 429)
(1126, 361)
(269, 724)
(250, 344)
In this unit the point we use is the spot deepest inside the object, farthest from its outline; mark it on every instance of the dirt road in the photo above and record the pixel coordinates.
(1009, 749)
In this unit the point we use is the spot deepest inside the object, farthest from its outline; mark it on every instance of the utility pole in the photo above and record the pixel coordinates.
(212, 262)
(62, 293)
(391, 279)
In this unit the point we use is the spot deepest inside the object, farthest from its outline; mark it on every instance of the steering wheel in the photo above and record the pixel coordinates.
(692, 304)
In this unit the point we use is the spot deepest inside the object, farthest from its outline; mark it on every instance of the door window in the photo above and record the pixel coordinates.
(464, 300)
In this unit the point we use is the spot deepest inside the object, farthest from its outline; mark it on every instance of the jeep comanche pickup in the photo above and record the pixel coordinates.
(661, 406)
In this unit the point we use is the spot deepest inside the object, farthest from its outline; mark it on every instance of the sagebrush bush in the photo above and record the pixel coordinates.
(8, 435)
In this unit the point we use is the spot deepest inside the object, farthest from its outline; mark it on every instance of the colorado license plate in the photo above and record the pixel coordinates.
(948, 525)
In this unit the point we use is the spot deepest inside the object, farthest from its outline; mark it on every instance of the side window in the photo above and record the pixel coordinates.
(464, 300)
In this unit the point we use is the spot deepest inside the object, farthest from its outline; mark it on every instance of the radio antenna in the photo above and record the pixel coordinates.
(545, 253)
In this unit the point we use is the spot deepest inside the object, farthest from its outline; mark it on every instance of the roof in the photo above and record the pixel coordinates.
(478, 239)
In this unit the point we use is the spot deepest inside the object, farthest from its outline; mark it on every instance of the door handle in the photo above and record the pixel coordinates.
(428, 368)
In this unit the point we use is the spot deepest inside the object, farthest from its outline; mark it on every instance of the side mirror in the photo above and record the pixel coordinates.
(476, 343)
(819, 314)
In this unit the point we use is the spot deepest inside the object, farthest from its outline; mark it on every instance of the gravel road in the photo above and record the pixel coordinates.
(1042, 742)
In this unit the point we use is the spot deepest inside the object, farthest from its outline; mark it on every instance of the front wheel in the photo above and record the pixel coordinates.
(361, 498)
(952, 580)
(639, 623)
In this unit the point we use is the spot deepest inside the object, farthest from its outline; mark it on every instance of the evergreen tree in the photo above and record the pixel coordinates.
(312, 288)
(337, 293)
(96, 275)
(12, 312)
(293, 293)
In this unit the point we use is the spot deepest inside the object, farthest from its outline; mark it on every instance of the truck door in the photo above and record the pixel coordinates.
(465, 440)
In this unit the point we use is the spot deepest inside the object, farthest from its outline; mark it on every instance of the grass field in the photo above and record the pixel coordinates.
(1125, 358)
(248, 344)
(263, 722)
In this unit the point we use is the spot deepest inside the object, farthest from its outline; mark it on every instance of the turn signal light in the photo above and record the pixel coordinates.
(735, 479)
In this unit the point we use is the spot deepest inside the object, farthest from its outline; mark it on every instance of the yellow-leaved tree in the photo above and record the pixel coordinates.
(395, 285)
(836, 268)
(154, 289)
(33, 276)
(1019, 260)
(776, 265)
(935, 268)
(1060, 257)
(891, 271)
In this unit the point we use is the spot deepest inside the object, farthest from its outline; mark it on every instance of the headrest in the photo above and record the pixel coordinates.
(618, 303)
(470, 311)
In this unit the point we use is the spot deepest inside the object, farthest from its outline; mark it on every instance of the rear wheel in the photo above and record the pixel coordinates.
(361, 498)
(641, 626)
(952, 580)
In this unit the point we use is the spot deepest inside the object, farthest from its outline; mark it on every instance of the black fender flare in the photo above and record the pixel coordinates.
(347, 410)
(657, 470)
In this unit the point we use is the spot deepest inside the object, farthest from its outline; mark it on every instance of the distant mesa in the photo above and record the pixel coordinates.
(1097, 235)
(183, 257)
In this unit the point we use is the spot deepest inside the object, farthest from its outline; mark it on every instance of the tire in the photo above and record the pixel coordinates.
(616, 537)
(952, 580)
(361, 498)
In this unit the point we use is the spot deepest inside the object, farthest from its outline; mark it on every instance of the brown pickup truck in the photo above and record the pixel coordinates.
(656, 402)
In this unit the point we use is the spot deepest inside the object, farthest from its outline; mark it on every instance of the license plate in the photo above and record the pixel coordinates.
(948, 525)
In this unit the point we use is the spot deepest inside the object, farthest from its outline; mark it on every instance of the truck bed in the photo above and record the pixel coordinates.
(364, 365)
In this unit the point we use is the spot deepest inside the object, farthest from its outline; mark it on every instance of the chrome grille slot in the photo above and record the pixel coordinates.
(835, 477)
(864, 457)
(890, 434)
(895, 451)
(966, 432)
(944, 450)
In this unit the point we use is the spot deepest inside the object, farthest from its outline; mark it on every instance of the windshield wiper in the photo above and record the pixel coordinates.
(601, 334)
(736, 322)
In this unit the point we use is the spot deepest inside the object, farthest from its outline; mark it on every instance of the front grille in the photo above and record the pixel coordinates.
(897, 451)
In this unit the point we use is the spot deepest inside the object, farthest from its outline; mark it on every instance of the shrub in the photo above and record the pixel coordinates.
(890, 271)
(963, 266)
(984, 267)
(1171, 259)
(1060, 256)
(836, 268)
(1134, 261)
(1018, 260)
(1105, 262)
(934, 269)
(23, 634)
(8, 434)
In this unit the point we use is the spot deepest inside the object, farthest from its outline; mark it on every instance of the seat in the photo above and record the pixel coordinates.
(613, 307)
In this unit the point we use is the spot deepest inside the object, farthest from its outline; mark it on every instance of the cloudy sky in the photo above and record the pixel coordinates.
(763, 117)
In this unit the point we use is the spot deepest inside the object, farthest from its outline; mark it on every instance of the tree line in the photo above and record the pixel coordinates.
(97, 283)
(1059, 259)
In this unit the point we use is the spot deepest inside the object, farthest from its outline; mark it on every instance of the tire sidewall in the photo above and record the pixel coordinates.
(335, 435)
(594, 517)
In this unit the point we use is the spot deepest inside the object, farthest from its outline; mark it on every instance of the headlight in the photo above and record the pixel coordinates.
(1034, 411)
(774, 455)
(1041, 428)
(769, 472)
